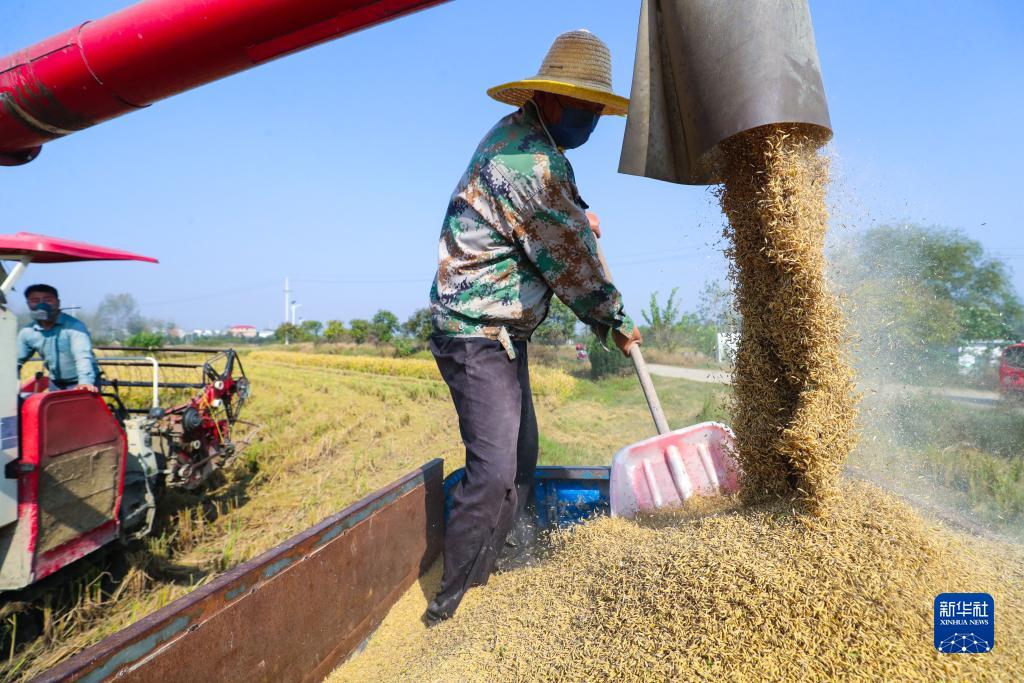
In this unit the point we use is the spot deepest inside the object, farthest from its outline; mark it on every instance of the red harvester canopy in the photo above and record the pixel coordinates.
(43, 249)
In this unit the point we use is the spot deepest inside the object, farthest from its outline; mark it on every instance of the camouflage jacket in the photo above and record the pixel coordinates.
(514, 234)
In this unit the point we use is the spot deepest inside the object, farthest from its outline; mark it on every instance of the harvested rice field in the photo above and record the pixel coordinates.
(751, 593)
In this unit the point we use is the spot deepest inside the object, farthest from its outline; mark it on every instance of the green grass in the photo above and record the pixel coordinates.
(994, 483)
(686, 358)
(941, 422)
(602, 417)
(958, 457)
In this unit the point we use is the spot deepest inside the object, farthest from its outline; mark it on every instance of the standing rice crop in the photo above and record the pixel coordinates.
(795, 405)
(545, 381)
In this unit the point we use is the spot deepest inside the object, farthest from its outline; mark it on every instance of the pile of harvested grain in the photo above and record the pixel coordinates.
(795, 408)
(756, 593)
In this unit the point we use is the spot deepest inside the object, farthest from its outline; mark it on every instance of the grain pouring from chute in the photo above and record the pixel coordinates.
(754, 124)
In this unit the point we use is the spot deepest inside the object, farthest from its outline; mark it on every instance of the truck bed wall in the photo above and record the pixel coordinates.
(293, 613)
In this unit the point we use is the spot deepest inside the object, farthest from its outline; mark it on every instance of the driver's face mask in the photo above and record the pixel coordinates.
(42, 311)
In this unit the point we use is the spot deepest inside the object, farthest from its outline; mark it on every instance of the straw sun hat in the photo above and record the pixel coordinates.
(578, 65)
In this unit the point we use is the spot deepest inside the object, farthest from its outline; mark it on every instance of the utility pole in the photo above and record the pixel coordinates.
(287, 298)
(294, 307)
(287, 303)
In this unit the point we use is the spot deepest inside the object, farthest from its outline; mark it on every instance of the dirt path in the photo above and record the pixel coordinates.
(976, 397)
(692, 374)
(984, 399)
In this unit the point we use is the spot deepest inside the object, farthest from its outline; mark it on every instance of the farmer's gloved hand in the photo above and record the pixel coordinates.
(595, 223)
(626, 343)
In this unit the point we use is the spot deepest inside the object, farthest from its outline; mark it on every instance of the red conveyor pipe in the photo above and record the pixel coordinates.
(155, 49)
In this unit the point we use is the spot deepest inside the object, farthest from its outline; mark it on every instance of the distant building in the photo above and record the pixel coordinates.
(266, 334)
(245, 331)
(176, 333)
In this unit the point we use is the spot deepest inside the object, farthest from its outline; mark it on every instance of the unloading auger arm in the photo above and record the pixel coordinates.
(132, 58)
(705, 69)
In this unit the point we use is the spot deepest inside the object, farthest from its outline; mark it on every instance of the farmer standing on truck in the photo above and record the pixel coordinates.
(516, 232)
(62, 341)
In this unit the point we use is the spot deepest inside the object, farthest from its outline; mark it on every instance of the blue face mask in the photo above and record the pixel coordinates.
(43, 311)
(574, 128)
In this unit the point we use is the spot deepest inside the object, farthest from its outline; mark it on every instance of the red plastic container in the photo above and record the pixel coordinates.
(666, 470)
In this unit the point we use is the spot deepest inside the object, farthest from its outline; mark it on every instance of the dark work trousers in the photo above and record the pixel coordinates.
(499, 427)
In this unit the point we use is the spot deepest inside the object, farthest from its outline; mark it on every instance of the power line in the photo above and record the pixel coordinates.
(664, 252)
(362, 282)
(209, 294)
(678, 257)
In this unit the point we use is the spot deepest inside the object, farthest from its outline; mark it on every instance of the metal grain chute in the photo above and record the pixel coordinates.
(706, 70)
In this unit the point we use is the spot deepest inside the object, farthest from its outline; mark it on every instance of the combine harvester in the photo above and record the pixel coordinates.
(300, 609)
(81, 469)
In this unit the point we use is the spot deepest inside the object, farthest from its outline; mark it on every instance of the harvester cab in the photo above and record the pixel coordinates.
(83, 469)
(63, 452)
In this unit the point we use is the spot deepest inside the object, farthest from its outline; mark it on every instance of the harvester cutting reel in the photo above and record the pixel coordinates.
(181, 446)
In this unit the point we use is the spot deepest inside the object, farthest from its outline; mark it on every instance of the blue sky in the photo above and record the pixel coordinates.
(334, 166)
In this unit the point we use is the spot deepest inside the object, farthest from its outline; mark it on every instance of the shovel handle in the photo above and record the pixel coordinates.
(660, 423)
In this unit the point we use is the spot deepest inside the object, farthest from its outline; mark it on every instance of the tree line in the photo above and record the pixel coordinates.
(383, 328)
(916, 293)
(666, 327)
(911, 292)
(119, 319)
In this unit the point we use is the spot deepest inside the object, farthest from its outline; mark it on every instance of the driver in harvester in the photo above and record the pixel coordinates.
(62, 341)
